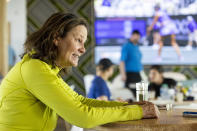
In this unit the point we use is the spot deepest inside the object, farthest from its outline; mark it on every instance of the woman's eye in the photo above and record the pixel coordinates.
(79, 41)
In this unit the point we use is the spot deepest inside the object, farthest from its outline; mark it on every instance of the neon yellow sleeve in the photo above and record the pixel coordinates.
(99, 103)
(93, 102)
(45, 85)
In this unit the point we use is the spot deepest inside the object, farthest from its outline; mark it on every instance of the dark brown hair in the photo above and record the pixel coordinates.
(41, 42)
(104, 64)
(157, 68)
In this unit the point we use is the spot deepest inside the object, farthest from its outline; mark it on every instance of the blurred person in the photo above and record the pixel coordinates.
(33, 92)
(192, 35)
(156, 38)
(1, 77)
(167, 27)
(11, 56)
(99, 88)
(11, 51)
(156, 35)
(157, 80)
(131, 65)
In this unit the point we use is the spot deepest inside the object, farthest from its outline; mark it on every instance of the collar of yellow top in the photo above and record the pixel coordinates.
(56, 69)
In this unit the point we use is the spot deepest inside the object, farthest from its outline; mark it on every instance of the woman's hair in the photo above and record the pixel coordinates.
(104, 64)
(41, 42)
(157, 68)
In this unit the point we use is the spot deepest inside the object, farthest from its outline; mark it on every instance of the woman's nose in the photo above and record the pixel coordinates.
(82, 49)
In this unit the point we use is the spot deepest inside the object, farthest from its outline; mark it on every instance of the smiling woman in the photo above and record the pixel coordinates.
(59, 42)
(32, 93)
(71, 47)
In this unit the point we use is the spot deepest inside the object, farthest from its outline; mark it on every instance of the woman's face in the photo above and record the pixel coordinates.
(71, 47)
(155, 76)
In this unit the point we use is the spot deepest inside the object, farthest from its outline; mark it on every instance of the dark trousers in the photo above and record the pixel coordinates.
(132, 78)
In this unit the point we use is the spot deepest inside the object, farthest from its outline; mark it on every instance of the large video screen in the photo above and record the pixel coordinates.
(116, 19)
(142, 8)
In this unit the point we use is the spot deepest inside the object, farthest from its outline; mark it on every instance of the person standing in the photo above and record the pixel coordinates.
(131, 65)
(167, 27)
(192, 35)
(11, 56)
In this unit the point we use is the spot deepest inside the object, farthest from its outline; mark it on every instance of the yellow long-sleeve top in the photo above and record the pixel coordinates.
(32, 94)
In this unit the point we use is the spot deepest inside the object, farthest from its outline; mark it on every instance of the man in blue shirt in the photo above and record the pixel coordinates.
(130, 65)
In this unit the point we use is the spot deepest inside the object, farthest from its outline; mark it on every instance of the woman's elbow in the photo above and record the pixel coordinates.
(88, 123)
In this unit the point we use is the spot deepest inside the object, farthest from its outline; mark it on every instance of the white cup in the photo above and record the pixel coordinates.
(142, 91)
(151, 95)
(179, 97)
(169, 107)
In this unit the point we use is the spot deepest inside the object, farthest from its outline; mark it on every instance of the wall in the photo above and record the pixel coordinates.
(16, 15)
(3, 39)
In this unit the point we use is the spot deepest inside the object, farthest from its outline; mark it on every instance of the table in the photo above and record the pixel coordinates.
(168, 121)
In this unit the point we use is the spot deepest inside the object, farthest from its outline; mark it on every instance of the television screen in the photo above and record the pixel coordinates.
(142, 8)
(116, 19)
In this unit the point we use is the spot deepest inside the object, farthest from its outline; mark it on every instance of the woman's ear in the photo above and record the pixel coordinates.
(55, 41)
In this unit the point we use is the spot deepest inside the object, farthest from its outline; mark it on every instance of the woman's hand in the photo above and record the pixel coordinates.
(119, 99)
(139, 103)
(103, 98)
(150, 111)
(123, 77)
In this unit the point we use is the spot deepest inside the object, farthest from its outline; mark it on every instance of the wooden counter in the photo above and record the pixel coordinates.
(168, 121)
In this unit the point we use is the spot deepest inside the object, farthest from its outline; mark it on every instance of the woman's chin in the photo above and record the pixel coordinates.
(75, 64)
(71, 64)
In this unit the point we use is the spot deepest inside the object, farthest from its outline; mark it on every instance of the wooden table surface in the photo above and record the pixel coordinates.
(168, 121)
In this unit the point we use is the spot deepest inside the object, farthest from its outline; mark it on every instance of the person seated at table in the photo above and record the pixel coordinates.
(157, 80)
(99, 88)
(33, 93)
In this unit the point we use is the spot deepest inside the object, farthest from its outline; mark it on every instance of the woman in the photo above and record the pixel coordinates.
(166, 27)
(32, 93)
(157, 81)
